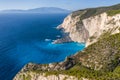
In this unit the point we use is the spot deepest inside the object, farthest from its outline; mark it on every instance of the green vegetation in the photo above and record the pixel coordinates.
(80, 71)
(26, 77)
(102, 53)
(105, 34)
(86, 13)
(92, 38)
(117, 70)
(113, 12)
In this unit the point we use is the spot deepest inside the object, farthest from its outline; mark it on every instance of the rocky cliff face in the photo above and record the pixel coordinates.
(41, 72)
(37, 76)
(88, 30)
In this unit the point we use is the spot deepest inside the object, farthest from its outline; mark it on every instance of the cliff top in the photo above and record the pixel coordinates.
(95, 11)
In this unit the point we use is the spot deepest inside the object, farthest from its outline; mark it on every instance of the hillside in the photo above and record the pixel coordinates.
(95, 11)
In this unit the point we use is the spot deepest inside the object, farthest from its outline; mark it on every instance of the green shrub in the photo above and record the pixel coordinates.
(113, 12)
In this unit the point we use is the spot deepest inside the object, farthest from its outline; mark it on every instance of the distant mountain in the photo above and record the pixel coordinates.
(38, 10)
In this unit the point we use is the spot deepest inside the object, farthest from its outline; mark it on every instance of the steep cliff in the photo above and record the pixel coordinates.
(88, 30)
(99, 28)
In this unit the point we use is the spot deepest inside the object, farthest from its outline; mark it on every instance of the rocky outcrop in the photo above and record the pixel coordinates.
(62, 40)
(37, 76)
(41, 71)
(68, 63)
(88, 30)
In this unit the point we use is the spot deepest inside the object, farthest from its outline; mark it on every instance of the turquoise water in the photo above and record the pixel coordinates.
(28, 38)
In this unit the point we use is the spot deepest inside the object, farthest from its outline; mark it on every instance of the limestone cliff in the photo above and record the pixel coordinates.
(38, 76)
(88, 30)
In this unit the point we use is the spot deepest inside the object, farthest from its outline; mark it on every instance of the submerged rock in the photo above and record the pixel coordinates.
(62, 40)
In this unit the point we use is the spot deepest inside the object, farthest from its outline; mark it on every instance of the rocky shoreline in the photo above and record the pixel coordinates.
(65, 38)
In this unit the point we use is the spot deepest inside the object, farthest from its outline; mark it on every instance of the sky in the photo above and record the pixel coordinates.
(65, 4)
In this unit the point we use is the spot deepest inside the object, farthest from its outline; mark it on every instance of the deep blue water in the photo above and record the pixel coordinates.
(27, 38)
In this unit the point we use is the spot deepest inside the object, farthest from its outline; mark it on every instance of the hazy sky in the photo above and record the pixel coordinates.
(66, 4)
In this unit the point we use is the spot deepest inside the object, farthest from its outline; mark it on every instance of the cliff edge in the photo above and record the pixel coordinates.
(86, 26)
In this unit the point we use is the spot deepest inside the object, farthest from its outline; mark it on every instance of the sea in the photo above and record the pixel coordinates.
(28, 37)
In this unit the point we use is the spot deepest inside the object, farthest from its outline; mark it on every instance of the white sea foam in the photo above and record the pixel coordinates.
(58, 36)
(47, 39)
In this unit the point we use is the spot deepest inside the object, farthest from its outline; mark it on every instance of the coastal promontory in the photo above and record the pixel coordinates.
(99, 29)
